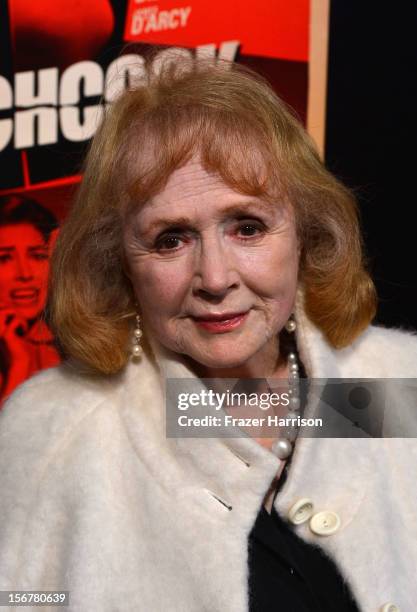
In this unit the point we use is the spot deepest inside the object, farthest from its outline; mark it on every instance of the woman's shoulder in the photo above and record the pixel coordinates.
(377, 352)
(50, 404)
(59, 385)
(57, 400)
(382, 352)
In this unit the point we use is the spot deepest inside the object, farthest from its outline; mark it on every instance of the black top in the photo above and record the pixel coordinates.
(287, 574)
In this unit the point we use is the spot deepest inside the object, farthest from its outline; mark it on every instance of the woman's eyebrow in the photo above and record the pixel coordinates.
(161, 224)
(241, 209)
(244, 208)
(38, 247)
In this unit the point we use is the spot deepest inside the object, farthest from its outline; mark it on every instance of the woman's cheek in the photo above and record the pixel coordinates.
(43, 270)
(8, 273)
(164, 284)
(268, 271)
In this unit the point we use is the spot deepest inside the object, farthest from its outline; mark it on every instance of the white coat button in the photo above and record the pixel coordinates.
(301, 511)
(325, 523)
(390, 607)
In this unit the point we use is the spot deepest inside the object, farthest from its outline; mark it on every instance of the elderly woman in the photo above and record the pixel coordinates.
(207, 242)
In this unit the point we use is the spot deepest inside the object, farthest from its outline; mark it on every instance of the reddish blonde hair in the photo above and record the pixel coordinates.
(233, 120)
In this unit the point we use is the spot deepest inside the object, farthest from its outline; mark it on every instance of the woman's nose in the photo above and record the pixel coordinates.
(214, 270)
(23, 268)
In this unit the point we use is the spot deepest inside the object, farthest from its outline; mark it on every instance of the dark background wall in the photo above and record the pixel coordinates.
(371, 139)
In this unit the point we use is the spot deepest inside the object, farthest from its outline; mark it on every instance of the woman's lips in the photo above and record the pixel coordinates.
(28, 294)
(222, 325)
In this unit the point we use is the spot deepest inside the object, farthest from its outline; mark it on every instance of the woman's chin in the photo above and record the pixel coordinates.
(28, 311)
(221, 360)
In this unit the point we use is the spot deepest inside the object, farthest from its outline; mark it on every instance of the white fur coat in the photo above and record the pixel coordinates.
(95, 499)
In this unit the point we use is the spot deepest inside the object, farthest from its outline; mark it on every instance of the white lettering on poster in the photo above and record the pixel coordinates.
(44, 106)
(151, 19)
(6, 102)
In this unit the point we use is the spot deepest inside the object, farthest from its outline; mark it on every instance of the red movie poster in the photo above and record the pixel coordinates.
(59, 61)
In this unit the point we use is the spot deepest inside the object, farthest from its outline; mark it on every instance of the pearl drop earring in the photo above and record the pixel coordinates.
(291, 325)
(137, 335)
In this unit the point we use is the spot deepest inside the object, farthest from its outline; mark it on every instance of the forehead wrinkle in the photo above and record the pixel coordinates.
(191, 182)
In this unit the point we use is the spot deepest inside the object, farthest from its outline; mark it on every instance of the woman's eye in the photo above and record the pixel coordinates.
(168, 243)
(40, 256)
(247, 230)
(4, 258)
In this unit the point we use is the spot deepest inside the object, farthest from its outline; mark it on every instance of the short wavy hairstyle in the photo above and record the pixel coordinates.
(231, 118)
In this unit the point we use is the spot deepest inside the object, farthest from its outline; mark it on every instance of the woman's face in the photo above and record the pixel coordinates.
(24, 265)
(214, 271)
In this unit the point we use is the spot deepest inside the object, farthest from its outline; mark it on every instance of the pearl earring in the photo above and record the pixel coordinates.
(137, 335)
(291, 325)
